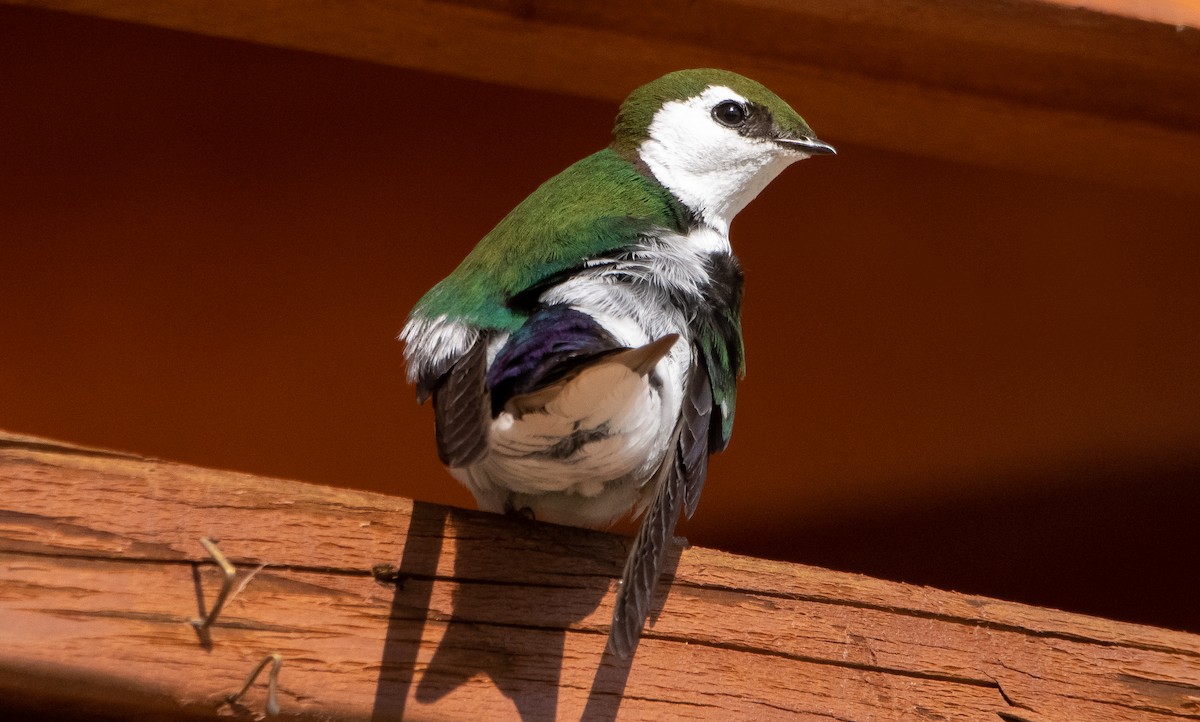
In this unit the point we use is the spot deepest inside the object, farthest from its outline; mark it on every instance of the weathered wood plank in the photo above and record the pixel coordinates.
(457, 663)
(1013, 84)
(99, 562)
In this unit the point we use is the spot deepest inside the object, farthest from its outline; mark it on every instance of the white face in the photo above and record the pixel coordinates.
(710, 166)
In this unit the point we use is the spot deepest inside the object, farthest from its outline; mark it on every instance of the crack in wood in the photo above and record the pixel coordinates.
(1112, 702)
(948, 618)
(50, 447)
(1026, 713)
(226, 622)
(1158, 686)
(844, 664)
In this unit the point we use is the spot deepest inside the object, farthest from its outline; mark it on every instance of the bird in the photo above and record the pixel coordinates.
(583, 358)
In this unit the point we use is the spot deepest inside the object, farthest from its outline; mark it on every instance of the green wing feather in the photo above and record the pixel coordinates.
(719, 337)
(600, 204)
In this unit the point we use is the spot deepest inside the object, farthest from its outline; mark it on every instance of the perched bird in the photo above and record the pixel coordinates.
(583, 358)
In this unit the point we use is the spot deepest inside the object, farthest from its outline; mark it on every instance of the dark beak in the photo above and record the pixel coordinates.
(812, 146)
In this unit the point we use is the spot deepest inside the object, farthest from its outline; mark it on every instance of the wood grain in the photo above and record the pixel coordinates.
(1032, 86)
(101, 569)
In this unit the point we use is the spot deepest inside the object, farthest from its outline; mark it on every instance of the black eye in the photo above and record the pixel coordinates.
(730, 113)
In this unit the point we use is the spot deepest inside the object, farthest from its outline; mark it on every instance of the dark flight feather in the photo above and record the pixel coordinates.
(639, 359)
(695, 418)
(461, 413)
(556, 340)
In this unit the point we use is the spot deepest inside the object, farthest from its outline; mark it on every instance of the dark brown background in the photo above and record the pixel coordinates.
(983, 380)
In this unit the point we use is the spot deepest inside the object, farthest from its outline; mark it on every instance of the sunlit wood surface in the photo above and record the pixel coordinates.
(484, 616)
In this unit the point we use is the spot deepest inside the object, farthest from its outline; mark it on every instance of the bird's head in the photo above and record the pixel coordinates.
(713, 138)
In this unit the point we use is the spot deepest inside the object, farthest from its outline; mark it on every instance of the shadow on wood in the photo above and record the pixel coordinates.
(509, 656)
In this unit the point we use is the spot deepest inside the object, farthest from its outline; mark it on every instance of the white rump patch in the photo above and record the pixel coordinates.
(429, 342)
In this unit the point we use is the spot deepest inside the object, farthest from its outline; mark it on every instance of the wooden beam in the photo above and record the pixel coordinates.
(468, 613)
(1174, 12)
(1038, 87)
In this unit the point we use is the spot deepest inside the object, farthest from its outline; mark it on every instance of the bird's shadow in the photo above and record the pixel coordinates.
(508, 613)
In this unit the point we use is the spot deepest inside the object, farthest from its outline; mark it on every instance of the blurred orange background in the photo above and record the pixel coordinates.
(983, 380)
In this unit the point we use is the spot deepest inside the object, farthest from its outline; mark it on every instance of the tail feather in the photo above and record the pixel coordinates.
(639, 580)
(677, 486)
